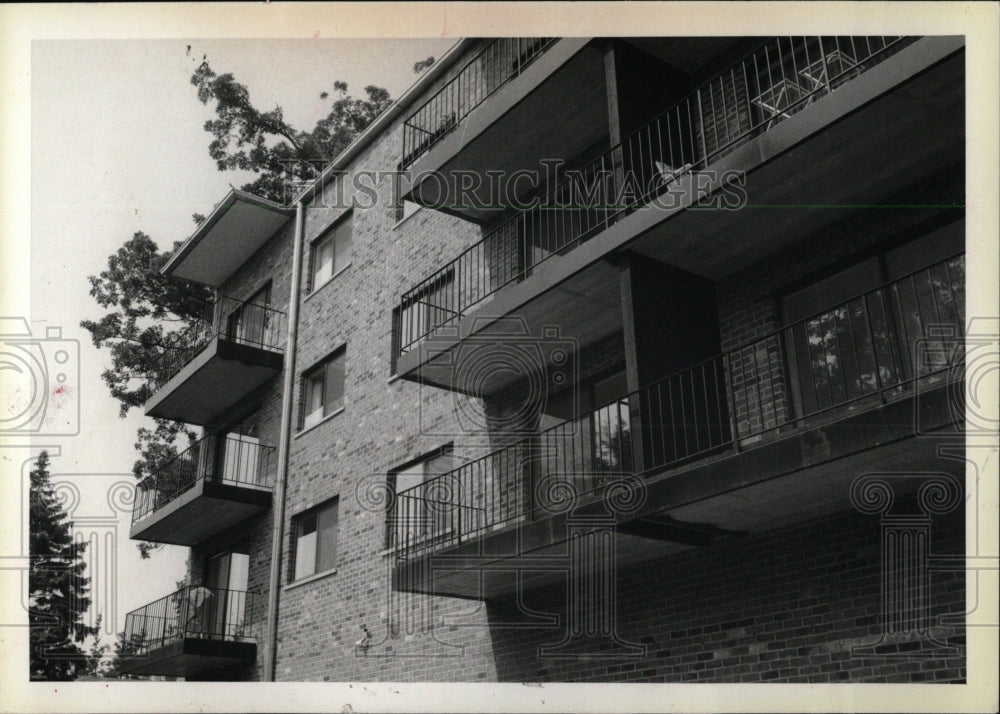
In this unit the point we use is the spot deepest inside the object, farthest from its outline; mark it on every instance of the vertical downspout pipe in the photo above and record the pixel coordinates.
(278, 505)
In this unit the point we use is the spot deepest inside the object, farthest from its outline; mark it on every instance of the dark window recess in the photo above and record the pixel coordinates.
(323, 389)
(331, 253)
(315, 546)
(848, 338)
(425, 508)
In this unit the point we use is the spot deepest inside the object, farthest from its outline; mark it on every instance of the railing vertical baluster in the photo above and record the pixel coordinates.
(715, 123)
(725, 110)
(757, 380)
(733, 410)
(875, 350)
(694, 413)
(718, 400)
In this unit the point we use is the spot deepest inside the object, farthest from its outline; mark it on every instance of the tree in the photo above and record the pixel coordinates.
(145, 311)
(94, 665)
(124, 649)
(244, 137)
(149, 315)
(58, 589)
(419, 67)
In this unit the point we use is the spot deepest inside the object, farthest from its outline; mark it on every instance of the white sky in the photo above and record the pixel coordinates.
(117, 147)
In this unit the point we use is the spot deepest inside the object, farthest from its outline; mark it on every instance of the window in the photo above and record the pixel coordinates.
(420, 512)
(404, 208)
(249, 324)
(315, 546)
(833, 358)
(585, 430)
(849, 338)
(331, 253)
(238, 456)
(218, 608)
(323, 389)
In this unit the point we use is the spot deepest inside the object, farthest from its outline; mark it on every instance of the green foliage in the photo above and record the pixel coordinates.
(142, 308)
(58, 589)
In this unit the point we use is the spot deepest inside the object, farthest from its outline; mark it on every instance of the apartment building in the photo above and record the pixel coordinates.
(592, 359)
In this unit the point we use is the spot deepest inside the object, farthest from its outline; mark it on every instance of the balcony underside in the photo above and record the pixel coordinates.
(803, 474)
(207, 508)
(858, 147)
(217, 378)
(190, 656)
(235, 230)
(568, 78)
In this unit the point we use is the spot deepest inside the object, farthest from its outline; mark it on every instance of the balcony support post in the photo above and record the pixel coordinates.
(611, 87)
(632, 377)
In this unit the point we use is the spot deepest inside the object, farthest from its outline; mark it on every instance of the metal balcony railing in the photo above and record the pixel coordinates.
(494, 66)
(770, 84)
(243, 322)
(232, 459)
(192, 611)
(854, 356)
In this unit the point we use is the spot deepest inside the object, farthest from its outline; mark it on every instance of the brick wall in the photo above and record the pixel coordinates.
(385, 423)
(782, 606)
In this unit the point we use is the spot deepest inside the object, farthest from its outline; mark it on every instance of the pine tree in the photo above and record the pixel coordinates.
(124, 650)
(96, 664)
(58, 589)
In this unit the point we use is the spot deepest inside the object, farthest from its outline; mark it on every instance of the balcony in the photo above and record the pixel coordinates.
(213, 485)
(487, 116)
(236, 229)
(192, 631)
(500, 62)
(217, 362)
(759, 436)
(772, 117)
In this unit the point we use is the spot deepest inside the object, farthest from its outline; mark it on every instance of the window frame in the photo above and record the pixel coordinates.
(392, 482)
(321, 371)
(241, 332)
(401, 210)
(330, 506)
(330, 236)
(239, 434)
(938, 236)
